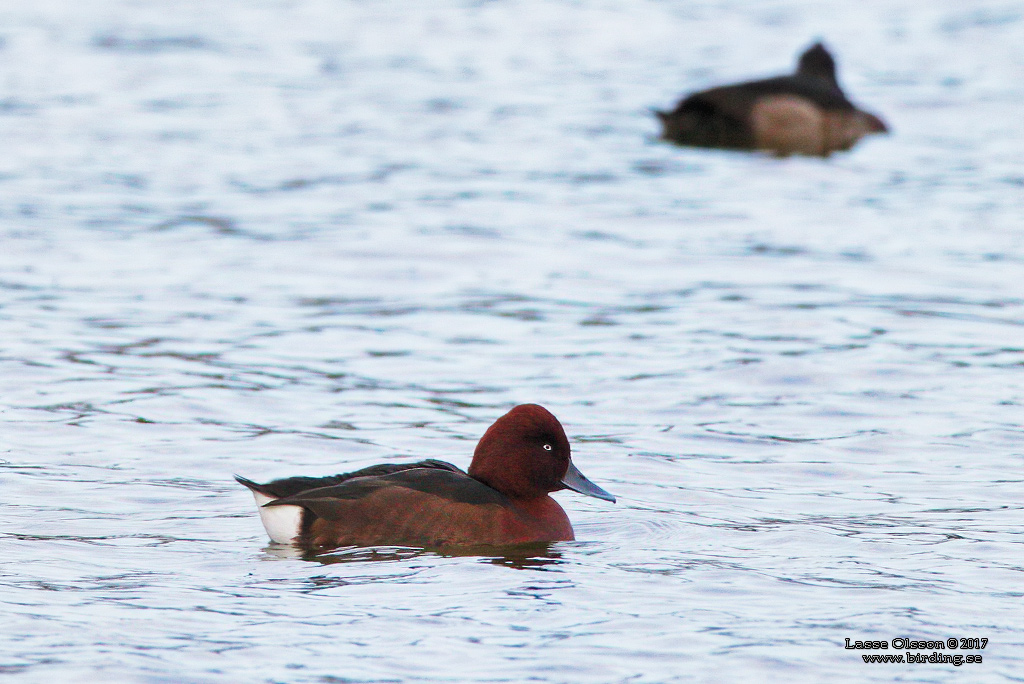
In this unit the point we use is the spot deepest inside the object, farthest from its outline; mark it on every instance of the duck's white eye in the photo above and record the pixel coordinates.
(547, 447)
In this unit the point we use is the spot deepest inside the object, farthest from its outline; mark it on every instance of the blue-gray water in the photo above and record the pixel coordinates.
(280, 238)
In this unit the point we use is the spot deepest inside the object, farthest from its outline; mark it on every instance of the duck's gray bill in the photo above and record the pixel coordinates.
(577, 482)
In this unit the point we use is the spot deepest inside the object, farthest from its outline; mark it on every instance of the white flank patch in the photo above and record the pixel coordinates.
(282, 522)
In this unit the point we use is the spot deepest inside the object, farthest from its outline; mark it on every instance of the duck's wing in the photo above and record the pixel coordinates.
(290, 486)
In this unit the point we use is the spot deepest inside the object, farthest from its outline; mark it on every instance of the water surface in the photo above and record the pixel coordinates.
(281, 238)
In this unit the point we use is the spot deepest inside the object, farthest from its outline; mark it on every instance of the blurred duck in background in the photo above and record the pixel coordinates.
(806, 113)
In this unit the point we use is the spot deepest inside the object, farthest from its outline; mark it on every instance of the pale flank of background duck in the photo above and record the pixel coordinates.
(503, 499)
(806, 113)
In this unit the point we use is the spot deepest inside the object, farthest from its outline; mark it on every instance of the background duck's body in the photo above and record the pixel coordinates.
(805, 113)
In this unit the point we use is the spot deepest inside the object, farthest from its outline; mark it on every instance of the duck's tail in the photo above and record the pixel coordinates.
(255, 487)
(283, 523)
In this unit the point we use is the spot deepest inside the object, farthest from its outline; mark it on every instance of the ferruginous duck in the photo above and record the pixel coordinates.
(503, 499)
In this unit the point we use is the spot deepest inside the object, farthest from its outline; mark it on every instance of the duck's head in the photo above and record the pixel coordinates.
(526, 455)
(817, 61)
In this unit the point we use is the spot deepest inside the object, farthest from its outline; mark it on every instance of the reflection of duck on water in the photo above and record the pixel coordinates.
(806, 113)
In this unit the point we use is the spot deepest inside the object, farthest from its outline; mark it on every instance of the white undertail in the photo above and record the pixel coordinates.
(283, 523)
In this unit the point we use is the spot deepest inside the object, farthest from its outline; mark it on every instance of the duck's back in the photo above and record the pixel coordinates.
(289, 486)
